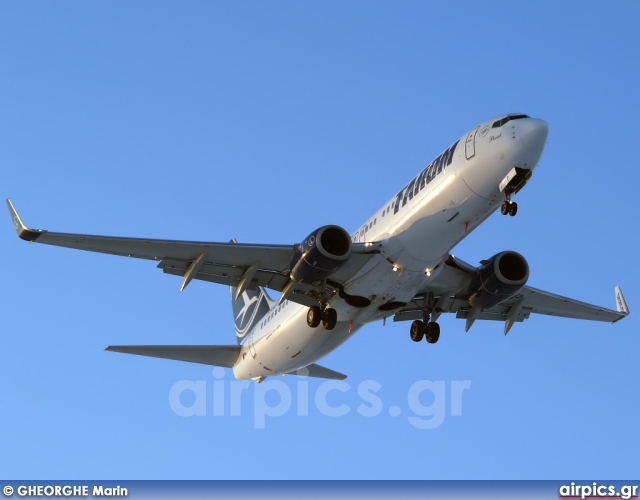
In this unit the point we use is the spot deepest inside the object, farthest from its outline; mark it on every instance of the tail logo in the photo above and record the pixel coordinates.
(247, 304)
(244, 318)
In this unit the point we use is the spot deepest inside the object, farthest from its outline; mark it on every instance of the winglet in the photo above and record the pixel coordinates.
(23, 231)
(621, 304)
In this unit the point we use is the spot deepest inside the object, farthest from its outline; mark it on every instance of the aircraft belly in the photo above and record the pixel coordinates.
(455, 212)
(326, 343)
(381, 285)
(291, 347)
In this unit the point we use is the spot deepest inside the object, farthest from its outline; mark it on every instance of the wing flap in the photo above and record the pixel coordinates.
(493, 315)
(226, 274)
(216, 355)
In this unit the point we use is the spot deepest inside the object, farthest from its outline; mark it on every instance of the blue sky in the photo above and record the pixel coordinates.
(262, 121)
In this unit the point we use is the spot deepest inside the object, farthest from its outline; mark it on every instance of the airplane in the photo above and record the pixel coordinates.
(398, 263)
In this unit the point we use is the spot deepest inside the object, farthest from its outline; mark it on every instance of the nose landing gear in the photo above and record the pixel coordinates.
(509, 207)
(513, 182)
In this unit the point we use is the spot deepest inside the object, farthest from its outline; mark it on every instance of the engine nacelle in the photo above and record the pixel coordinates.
(502, 276)
(320, 255)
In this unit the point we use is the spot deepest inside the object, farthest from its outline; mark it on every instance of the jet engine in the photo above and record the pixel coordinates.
(500, 277)
(320, 255)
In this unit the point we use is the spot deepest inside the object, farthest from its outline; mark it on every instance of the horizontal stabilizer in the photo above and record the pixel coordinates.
(318, 371)
(216, 355)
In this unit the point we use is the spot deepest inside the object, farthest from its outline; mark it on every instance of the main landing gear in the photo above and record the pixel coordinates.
(328, 317)
(430, 330)
(322, 313)
(426, 327)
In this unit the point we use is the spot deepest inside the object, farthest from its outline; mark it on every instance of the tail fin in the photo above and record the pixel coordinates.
(248, 309)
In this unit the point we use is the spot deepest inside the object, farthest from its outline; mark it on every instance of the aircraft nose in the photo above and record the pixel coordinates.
(533, 133)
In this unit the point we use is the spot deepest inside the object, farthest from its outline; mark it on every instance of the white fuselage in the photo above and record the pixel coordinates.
(413, 233)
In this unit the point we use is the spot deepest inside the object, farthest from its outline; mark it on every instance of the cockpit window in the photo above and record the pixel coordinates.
(504, 120)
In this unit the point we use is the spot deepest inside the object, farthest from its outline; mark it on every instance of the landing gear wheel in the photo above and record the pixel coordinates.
(433, 332)
(504, 208)
(314, 316)
(329, 319)
(417, 330)
(513, 208)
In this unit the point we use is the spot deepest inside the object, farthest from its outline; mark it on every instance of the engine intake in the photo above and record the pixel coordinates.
(502, 276)
(320, 255)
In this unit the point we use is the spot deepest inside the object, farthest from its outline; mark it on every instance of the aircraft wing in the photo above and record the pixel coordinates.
(450, 292)
(240, 265)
